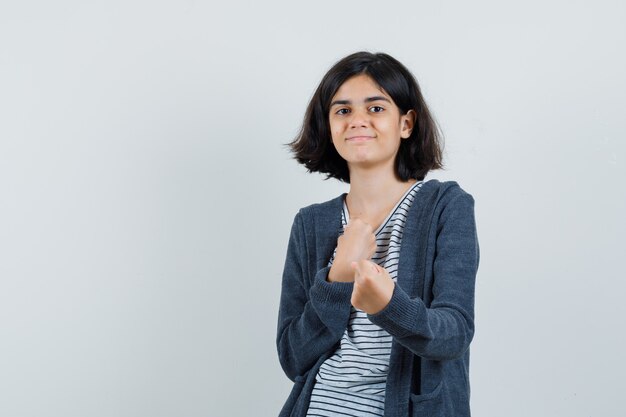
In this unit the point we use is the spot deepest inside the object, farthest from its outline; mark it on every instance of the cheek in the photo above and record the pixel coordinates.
(388, 125)
(391, 127)
(335, 131)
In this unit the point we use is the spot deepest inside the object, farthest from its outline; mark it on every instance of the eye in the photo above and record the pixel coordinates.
(342, 111)
(376, 109)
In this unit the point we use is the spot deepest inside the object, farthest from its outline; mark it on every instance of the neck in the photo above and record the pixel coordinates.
(372, 191)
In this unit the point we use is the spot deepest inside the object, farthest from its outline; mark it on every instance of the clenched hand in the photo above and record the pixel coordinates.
(373, 287)
(357, 242)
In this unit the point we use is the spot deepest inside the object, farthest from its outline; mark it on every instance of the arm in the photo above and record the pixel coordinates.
(310, 320)
(446, 328)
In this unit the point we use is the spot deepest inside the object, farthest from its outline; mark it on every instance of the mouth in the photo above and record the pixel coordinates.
(359, 138)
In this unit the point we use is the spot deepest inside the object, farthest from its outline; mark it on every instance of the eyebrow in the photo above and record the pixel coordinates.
(367, 100)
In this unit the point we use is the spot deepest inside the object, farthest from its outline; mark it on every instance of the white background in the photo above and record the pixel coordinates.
(146, 196)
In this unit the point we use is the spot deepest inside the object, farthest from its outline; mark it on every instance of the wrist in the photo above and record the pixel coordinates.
(335, 275)
(332, 276)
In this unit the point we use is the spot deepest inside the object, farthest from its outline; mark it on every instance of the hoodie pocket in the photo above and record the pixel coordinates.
(429, 404)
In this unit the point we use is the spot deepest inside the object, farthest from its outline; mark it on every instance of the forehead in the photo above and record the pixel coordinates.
(359, 86)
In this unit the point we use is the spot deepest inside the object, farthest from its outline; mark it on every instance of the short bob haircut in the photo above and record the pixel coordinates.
(418, 154)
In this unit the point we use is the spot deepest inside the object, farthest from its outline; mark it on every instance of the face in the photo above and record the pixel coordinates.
(366, 125)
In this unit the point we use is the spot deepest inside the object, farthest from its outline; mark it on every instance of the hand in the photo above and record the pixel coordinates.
(373, 287)
(357, 242)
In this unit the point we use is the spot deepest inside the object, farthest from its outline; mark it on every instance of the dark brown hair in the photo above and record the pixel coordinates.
(418, 154)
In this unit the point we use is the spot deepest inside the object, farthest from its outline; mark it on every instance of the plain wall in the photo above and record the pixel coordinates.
(146, 196)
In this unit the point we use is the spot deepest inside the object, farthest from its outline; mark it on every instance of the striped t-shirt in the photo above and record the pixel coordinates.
(352, 381)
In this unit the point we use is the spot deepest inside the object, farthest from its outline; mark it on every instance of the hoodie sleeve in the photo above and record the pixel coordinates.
(445, 329)
(313, 313)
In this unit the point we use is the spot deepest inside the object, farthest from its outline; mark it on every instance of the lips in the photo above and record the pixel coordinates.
(359, 138)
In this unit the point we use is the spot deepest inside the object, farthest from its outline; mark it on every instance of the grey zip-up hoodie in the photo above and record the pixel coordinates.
(430, 315)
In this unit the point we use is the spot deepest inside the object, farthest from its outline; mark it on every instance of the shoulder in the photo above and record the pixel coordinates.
(446, 200)
(452, 209)
(317, 226)
(324, 211)
(444, 192)
(448, 189)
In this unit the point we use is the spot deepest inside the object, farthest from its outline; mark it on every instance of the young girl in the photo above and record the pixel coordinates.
(377, 304)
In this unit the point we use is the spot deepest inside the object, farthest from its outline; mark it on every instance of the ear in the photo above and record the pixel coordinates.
(407, 122)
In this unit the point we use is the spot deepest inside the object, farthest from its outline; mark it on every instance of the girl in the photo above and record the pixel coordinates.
(377, 305)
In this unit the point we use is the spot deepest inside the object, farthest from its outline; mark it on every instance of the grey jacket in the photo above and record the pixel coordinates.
(430, 315)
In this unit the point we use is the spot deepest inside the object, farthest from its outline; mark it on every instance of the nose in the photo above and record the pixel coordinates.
(359, 118)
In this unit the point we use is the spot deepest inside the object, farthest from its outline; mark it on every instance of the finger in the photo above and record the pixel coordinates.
(370, 266)
(383, 273)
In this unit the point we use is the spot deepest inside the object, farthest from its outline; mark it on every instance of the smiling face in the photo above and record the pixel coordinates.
(366, 125)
